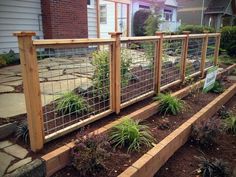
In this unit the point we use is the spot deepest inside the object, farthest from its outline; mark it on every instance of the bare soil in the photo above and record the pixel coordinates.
(183, 163)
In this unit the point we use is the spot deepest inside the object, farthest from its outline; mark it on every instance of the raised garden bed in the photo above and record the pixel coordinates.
(184, 162)
(159, 134)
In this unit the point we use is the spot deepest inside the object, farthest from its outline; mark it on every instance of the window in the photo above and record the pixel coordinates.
(168, 14)
(103, 14)
(143, 7)
(90, 3)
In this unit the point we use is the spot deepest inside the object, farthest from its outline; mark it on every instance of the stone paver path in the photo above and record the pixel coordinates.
(12, 156)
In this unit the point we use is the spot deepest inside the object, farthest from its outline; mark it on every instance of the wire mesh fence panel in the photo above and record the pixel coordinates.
(171, 60)
(74, 83)
(211, 46)
(194, 56)
(137, 69)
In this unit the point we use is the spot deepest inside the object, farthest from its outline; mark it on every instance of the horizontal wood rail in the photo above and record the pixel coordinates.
(57, 42)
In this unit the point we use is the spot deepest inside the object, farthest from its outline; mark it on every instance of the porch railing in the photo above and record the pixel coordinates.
(105, 75)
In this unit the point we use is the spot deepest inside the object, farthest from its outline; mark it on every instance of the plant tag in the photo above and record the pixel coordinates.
(210, 78)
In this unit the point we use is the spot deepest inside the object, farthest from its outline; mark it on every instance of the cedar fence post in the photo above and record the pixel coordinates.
(184, 55)
(204, 53)
(217, 48)
(159, 54)
(116, 67)
(28, 59)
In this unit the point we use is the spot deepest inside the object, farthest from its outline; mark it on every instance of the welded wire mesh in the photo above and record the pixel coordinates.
(137, 69)
(193, 62)
(74, 83)
(171, 60)
(211, 46)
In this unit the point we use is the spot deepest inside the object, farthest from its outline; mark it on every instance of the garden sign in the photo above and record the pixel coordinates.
(210, 79)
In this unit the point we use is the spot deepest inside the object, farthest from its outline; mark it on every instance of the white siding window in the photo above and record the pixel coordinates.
(90, 4)
(103, 14)
(168, 15)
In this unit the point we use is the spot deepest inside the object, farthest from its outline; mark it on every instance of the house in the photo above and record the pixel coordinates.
(59, 19)
(214, 13)
(167, 10)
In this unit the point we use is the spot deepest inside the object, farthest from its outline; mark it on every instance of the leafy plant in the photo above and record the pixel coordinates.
(71, 103)
(9, 58)
(89, 154)
(152, 24)
(139, 21)
(212, 168)
(228, 40)
(131, 134)
(230, 124)
(22, 132)
(195, 29)
(224, 113)
(101, 74)
(169, 104)
(204, 135)
(217, 88)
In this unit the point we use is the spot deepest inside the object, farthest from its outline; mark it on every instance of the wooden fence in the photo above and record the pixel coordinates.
(108, 74)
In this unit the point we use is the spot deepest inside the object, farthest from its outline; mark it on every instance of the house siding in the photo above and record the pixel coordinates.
(92, 21)
(18, 16)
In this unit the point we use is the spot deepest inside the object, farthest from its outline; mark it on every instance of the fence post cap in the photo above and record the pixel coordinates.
(24, 33)
(115, 33)
(186, 32)
(159, 33)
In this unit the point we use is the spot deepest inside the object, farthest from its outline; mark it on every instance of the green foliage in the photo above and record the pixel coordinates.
(224, 113)
(226, 59)
(101, 78)
(131, 134)
(230, 124)
(203, 136)
(228, 39)
(22, 132)
(139, 22)
(9, 58)
(212, 167)
(217, 88)
(89, 154)
(71, 103)
(152, 24)
(169, 104)
(195, 29)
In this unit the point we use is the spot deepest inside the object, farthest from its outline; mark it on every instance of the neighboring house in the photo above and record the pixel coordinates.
(214, 13)
(60, 19)
(167, 10)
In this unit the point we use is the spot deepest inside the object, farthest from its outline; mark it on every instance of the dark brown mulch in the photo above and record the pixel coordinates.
(183, 163)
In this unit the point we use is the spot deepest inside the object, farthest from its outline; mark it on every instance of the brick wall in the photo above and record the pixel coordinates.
(64, 19)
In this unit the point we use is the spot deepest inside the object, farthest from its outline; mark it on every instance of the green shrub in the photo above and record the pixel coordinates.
(139, 22)
(71, 103)
(9, 58)
(89, 154)
(22, 132)
(101, 78)
(212, 167)
(228, 39)
(217, 88)
(131, 134)
(230, 124)
(152, 24)
(195, 29)
(169, 104)
(224, 113)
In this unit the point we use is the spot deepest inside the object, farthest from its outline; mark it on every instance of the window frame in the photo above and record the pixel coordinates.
(91, 5)
(100, 6)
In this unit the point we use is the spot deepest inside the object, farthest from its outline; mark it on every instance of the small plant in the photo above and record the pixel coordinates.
(131, 134)
(224, 113)
(169, 104)
(203, 136)
(22, 132)
(230, 124)
(89, 154)
(71, 103)
(217, 88)
(212, 168)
